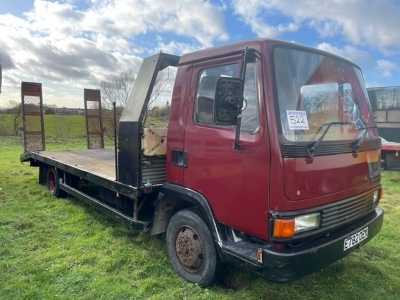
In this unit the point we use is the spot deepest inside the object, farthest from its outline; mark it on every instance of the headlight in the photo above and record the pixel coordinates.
(306, 222)
(375, 197)
(286, 228)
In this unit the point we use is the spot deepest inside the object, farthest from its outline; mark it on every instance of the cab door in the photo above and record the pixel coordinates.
(234, 181)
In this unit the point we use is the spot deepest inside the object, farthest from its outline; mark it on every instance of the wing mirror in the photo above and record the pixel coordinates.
(228, 100)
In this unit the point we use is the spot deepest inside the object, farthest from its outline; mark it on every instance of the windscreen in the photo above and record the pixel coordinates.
(316, 91)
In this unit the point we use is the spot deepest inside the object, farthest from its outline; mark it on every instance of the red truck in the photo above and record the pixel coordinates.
(390, 154)
(270, 162)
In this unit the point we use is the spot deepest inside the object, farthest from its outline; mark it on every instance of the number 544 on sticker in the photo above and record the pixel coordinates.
(297, 120)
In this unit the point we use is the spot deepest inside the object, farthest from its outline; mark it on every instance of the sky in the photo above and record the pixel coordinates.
(69, 45)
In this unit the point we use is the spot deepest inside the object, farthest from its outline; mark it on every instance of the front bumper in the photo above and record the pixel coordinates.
(283, 265)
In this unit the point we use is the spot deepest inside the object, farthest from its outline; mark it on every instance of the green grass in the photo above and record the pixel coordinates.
(63, 249)
(67, 126)
(64, 125)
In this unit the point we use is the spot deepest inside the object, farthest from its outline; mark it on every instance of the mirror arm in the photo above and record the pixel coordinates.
(236, 144)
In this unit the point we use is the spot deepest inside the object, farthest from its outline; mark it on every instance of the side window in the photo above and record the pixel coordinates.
(250, 121)
(205, 92)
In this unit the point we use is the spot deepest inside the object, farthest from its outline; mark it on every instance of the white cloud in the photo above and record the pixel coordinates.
(349, 52)
(375, 23)
(255, 13)
(175, 47)
(58, 42)
(190, 18)
(386, 68)
(77, 43)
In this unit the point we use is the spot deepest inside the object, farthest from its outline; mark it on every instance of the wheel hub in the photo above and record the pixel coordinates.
(189, 248)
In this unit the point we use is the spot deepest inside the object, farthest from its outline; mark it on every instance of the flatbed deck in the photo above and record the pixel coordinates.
(100, 162)
(94, 165)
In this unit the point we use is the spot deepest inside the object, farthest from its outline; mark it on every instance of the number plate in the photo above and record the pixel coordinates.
(355, 239)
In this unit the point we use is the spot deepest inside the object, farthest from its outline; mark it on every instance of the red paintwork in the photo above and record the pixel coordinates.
(177, 120)
(320, 176)
(235, 182)
(242, 185)
(392, 146)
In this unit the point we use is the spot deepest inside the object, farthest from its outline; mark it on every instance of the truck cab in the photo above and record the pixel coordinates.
(305, 174)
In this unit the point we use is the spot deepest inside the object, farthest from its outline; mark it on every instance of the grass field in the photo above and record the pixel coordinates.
(66, 126)
(63, 249)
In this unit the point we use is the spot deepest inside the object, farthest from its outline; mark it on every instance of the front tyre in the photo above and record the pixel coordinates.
(191, 248)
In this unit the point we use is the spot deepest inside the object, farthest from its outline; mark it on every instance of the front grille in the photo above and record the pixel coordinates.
(350, 209)
(300, 149)
(333, 216)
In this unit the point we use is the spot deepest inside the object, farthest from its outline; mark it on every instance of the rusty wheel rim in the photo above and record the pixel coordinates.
(189, 249)
(52, 182)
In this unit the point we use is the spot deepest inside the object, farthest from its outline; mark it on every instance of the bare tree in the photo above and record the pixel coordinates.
(159, 86)
(116, 89)
(163, 83)
(15, 109)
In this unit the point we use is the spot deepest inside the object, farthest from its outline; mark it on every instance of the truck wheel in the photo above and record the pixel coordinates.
(191, 248)
(53, 183)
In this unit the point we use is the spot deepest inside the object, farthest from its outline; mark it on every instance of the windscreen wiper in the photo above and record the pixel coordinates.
(357, 146)
(311, 150)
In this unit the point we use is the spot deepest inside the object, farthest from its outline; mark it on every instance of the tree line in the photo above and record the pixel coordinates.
(115, 89)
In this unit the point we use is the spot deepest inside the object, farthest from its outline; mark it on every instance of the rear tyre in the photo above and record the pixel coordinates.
(191, 248)
(53, 183)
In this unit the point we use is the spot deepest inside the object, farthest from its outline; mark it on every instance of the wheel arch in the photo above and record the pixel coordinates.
(191, 248)
(173, 198)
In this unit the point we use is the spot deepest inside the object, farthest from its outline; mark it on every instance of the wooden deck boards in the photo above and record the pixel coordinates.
(100, 162)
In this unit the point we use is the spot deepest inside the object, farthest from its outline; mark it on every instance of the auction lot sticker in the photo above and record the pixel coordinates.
(297, 119)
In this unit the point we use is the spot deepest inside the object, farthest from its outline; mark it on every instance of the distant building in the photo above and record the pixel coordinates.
(69, 111)
(385, 103)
